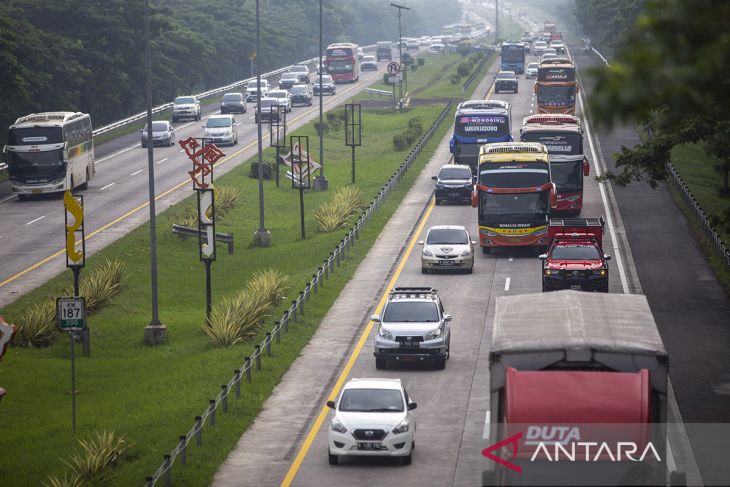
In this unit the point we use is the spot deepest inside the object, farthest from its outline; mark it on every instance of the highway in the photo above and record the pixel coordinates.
(31, 231)
(287, 445)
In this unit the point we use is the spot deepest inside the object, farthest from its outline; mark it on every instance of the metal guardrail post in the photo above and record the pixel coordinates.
(168, 468)
(149, 481)
(258, 357)
(301, 303)
(277, 331)
(268, 343)
(212, 411)
(315, 279)
(293, 310)
(224, 397)
(237, 373)
(286, 322)
(248, 369)
(182, 448)
(332, 262)
(199, 430)
(308, 290)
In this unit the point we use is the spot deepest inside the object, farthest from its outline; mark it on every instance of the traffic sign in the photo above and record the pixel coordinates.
(71, 313)
(393, 68)
(395, 79)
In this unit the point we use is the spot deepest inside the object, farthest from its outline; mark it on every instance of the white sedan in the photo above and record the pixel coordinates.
(372, 417)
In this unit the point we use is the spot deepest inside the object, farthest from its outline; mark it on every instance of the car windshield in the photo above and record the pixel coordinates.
(290, 76)
(218, 122)
(184, 100)
(532, 66)
(455, 173)
(411, 311)
(269, 103)
(506, 75)
(372, 401)
(575, 252)
(368, 59)
(325, 80)
(299, 69)
(453, 236)
(233, 97)
(278, 94)
(298, 90)
(157, 127)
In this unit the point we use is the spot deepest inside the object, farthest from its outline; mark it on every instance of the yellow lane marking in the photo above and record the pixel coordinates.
(161, 195)
(353, 357)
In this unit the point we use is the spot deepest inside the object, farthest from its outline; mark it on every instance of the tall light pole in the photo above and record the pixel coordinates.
(320, 182)
(496, 21)
(155, 332)
(400, 43)
(262, 237)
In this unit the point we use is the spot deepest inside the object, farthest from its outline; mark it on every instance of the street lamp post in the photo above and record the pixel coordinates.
(155, 332)
(400, 44)
(262, 237)
(320, 182)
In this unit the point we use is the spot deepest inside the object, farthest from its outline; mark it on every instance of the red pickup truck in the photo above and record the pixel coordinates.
(575, 258)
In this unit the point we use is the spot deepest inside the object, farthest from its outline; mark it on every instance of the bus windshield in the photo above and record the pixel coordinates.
(482, 126)
(569, 144)
(512, 54)
(35, 136)
(340, 52)
(556, 95)
(340, 66)
(519, 207)
(46, 165)
(567, 175)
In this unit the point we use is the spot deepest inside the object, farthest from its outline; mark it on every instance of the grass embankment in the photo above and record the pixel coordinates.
(151, 395)
(697, 170)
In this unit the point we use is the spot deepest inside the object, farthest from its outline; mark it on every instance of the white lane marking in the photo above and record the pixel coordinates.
(487, 420)
(8, 198)
(510, 259)
(136, 172)
(107, 186)
(602, 188)
(37, 219)
(506, 284)
(181, 150)
(162, 160)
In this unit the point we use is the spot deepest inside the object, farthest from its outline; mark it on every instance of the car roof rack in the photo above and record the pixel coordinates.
(413, 292)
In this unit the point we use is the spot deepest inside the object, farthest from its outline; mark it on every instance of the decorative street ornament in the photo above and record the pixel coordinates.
(75, 208)
(206, 222)
(209, 155)
(302, 165)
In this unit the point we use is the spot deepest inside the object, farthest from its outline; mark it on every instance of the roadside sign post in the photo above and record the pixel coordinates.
(393, 78)
(71, 317)
(76, 257)
(209, 154)
(277, 136)
(301, 173)
(353, 130)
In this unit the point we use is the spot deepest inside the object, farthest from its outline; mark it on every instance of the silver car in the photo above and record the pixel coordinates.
(162, 134)
(221, 129)
(413, 328)
(284, 98)
(447, 247)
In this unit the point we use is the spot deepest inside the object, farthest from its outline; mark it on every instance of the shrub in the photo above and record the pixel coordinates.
(267, 169)
(421, 61)
(464, 68)
(399, 142)
(93, 464)
(36, 326)
(336, 212)
(335, 119)
(454, 79)
(271, 283)
(226, 198)
(102, 284)
(413, 131)
(323, 129)
(476, 57)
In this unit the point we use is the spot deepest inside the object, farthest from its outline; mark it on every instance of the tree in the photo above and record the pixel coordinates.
(672, 76)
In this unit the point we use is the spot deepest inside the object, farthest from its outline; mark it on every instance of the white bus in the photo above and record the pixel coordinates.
(49, 152)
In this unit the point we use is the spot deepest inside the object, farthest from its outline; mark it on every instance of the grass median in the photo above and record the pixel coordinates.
(151, 395)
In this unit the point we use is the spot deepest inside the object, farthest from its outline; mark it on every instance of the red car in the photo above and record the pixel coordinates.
(575, 258)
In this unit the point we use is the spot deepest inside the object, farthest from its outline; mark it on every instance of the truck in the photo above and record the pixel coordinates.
(384, 50)
(549, 26)
(568, 392)
(575, 258)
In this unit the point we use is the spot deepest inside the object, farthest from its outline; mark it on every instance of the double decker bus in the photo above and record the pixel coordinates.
(342, 63)
(479, 122)
(49, 153)
(563, 137)
(513, 195)
(556, 86)
(513, 57)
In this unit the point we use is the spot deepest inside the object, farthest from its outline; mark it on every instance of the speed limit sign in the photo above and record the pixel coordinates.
(393, 68)
(71, 313)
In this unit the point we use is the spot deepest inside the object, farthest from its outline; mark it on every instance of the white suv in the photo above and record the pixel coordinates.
(252, 92)
(185, 107)
(372, 417)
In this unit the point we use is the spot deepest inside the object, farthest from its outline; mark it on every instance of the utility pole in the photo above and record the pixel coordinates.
(320, 182)
(262, 237)
(496, 21)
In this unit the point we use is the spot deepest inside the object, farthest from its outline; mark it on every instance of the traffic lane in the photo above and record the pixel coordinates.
(691, 308)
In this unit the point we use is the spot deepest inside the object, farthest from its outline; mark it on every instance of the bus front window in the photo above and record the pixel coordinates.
(556, 95)
(567, 176)
(495, 208)
(340, 66)
(46, 164)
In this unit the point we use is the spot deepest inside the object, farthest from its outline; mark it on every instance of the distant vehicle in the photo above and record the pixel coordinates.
(221, 129)
(575, 258)
(547, 56)
(302, 70)
(448, 247)
(252, 90)
(556, 87)
(513, 57)
(548, 50)
(436, 48)
(453, 183)
(342, 62)
(549, 26)
(369, 64)
(384, 50)
(233, 103)
(162, 134)
(289, 79)
(283, 97)
(538, 47)
(412, 44)
(413, 328)
(360, 53)
(301, 95)
(328, 85)
(527, 47)
(527, 37)
(424, 41)
(185, 107)
(531, 70)
(558, 45)
(269, 110)
(372, 417)
(479, 122)
(49, 152)
(505, 80)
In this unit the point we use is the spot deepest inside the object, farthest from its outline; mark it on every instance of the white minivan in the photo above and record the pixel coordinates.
(221, 129)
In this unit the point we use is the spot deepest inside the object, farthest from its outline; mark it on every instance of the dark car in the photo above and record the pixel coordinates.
(453, 183)
(328, 85)
(233, 103)
(302, 70)
(505, 81)
(269, 110)
(301, 95)
(369, 64)
(289, 79)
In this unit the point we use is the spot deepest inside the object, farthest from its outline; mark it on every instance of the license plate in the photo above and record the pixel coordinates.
(576, 287)
(447, 262)
(454, 195)
(36, 191)
(370, 445)
(410, 344)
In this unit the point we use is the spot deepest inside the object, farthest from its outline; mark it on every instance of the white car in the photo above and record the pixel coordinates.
(558, 45)
(372, 417)
(284, 98)
(221, 129)
(448, 247)
(185, 107)
(252, 92)
(538, 47)
(531, 70)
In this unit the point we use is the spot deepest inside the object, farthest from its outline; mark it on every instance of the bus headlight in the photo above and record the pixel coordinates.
(540, 231)
(487, 233)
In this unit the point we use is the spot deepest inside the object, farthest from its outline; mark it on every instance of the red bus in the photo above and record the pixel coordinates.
(341, 62)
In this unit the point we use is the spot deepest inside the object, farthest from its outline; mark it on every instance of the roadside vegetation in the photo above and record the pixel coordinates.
(150, 396)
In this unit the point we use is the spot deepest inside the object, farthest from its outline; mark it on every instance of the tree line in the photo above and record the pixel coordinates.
(88, 55)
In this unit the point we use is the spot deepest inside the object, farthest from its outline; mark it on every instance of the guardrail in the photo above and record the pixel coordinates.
(487, 56)
(720, 249)
(289, 317)
(183, 231)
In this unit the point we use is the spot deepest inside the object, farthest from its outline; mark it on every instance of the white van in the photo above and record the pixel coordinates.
(220, 129)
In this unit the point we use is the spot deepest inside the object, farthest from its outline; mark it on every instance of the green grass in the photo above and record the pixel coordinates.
(698, 172)
(151, 395)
